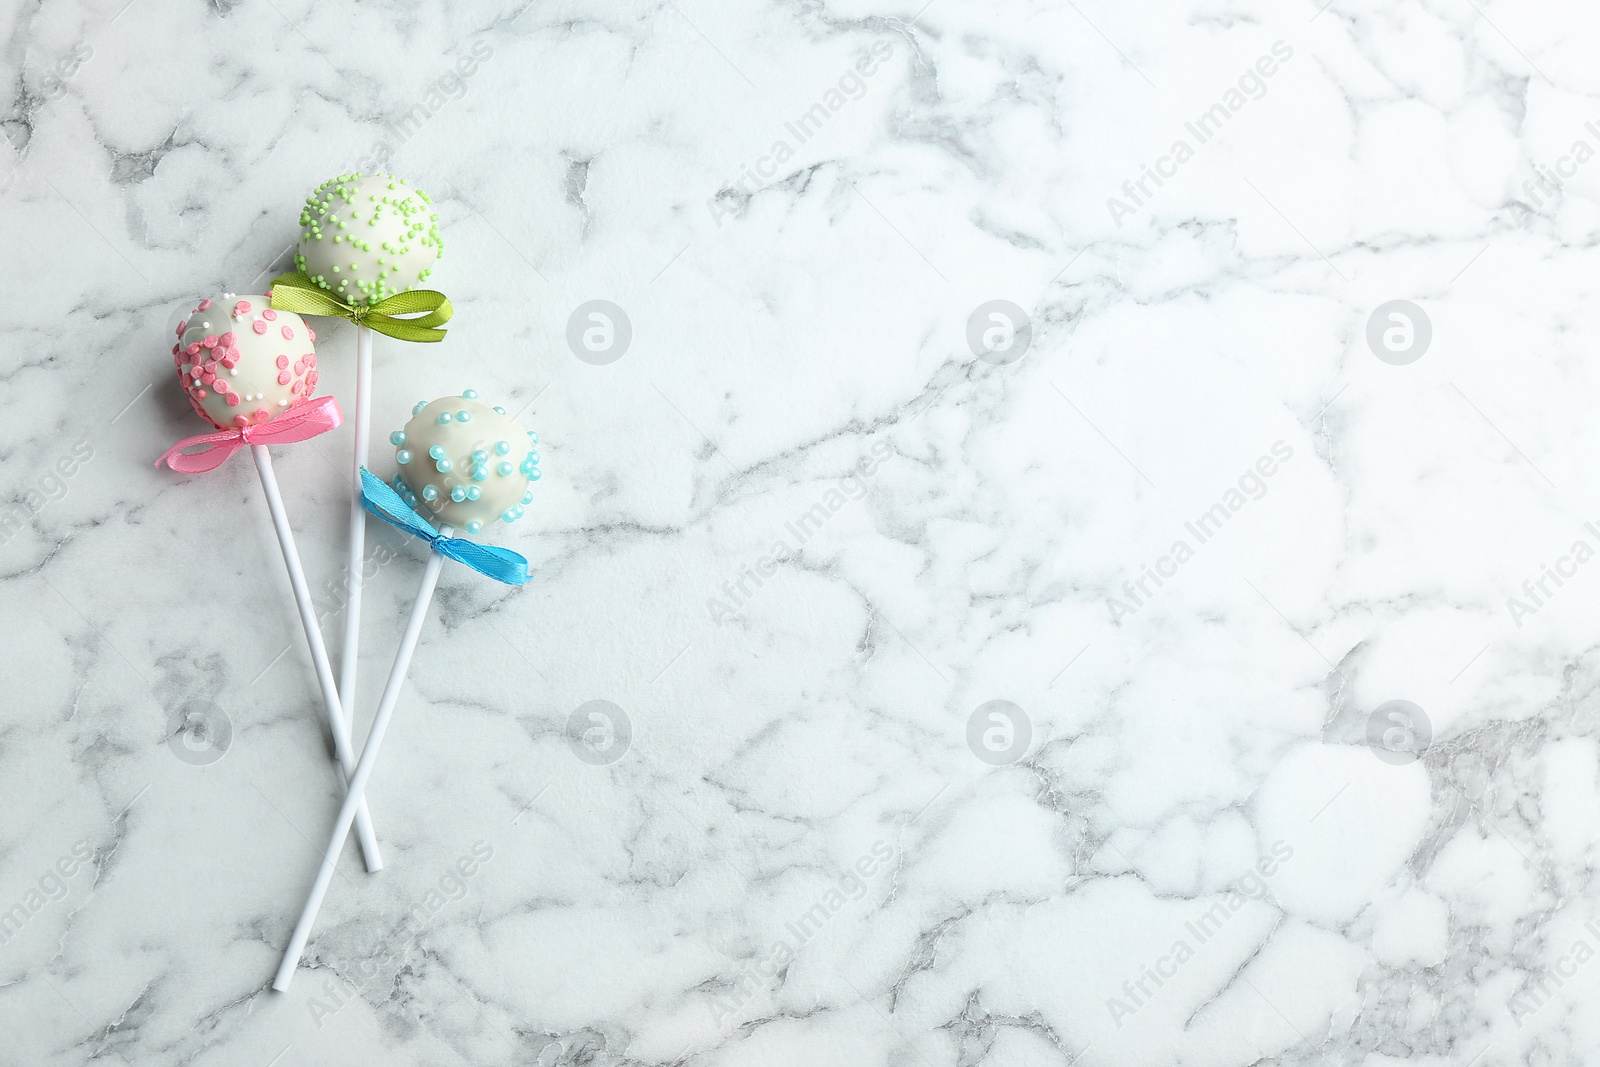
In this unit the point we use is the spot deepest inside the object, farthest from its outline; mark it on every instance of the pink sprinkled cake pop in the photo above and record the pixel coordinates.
(241, 362)
(250, 371)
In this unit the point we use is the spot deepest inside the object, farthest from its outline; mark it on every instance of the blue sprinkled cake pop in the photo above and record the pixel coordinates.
(456, 462)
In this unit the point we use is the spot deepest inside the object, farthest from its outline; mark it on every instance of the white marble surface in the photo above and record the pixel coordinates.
(799, 305)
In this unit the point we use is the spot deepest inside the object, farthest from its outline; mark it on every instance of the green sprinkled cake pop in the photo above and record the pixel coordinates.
(367, 237)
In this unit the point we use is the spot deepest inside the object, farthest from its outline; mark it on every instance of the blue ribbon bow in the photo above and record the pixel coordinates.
(501, 564)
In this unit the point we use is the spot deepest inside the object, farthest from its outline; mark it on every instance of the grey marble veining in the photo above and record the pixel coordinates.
(1013, 586)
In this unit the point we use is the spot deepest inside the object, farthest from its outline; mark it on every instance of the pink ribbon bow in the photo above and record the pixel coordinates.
(297, 424)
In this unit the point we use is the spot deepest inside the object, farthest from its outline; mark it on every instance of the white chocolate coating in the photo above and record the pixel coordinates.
(465, 463)
(367, 238)
(241, 362)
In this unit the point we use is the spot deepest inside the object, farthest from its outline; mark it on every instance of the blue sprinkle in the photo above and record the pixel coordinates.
(501, 448)
(473, 492)
(429, 493)
(533, 457)
(417, 409)
(403, 456)
(442, 466)
(444, 417)
(500, 409)
(463, 416)
(474, 526)
(527, 498)
(479, 456)
(469, 394)
(533, 475)
(397, 438)
(533, 438)
(436, 452)
(458, 494)
(480, 473)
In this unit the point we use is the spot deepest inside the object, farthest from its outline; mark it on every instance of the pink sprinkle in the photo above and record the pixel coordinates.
(240, 421)
(295, 388)
(261, 415)
(233, 399)
(299, 366)
(211, 365)
(226, 340)
(176, 349)
(193, 350)
(181, 327)
(210, 341)
(208, 377)
(259, 327)
(200, 394)
(242, 308)
(203, 305)
(283, 362)
(311, 359)
(311, 380)
(283, 377)
(196, 370)
(268, 314)
(312, 332)
(288, 334)
(233, 352)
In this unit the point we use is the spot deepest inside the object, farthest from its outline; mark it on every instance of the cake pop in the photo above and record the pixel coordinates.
(465, 463)
(241, 363)
(365, 241)
(366, 238)
(250, 371)
(442, 484)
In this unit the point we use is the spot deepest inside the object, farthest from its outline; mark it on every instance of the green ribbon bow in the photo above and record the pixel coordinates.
(299, 294)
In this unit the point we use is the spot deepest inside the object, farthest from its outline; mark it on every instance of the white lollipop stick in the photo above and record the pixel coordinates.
(358, 781)
(349, 652)
(319, 653)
